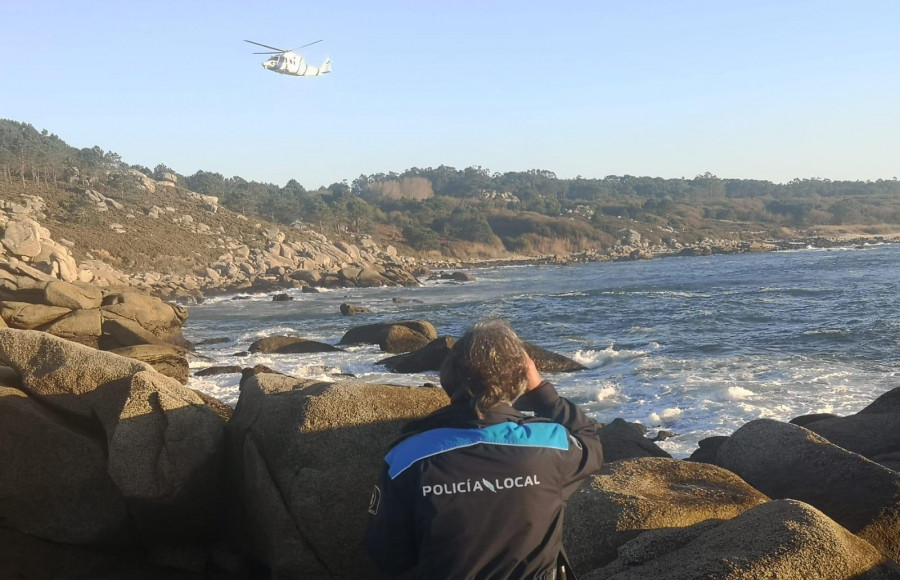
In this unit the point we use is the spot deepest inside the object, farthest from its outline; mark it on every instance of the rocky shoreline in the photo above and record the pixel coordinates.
(122, 472)
(273, 259)
(637, 251)
(113, 468)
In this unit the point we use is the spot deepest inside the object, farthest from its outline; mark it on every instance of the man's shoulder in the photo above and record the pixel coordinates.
(433, 442)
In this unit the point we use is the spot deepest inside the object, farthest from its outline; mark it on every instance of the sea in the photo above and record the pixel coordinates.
(695, 346)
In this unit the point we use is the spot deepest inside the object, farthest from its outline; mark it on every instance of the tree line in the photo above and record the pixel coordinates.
(429, 208)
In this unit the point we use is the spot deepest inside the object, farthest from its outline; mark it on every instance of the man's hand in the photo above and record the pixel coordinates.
(532, 374)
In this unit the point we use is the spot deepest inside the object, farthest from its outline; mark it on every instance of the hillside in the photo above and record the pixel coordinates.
(184, 235)
(177, 243)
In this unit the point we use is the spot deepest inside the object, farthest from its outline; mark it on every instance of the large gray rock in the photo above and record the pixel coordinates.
(551, 362)
(162, 319)
(624, 440)
(428, 358)
(162, 443)
(308, 276)
(165, 359)
(82, 326)
(22, 238)
(370, 278)
(400, 339)
(783, 539)
(289, 345)
(118, 332)
(374, 333)
(305, 510)
(26, 316)
(869, 434)
(708, 449)
(889, 402)
(54, 483)
(787, 461)
(72, 295)
(629, 497)
(351, 310)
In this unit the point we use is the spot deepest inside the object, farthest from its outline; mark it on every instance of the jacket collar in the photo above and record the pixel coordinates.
(460, 415)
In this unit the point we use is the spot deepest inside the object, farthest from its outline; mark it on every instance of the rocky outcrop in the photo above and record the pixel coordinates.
(430, 356)
(454, 276)
(109, 452)
(115, 451)
(630, 497)
(165, 359)
(25, 240)
(788, 461)
(307, 455)
(708, 449)
(783, 539)
(60, 489)
(623, 440)
(351, 310)
(551, 362)
(872, 435)
(397, 337)
(289, 345)
(79, 312)
(265, 259)
(163, 319)
(889, 402)
(218, 370)
(427, 358)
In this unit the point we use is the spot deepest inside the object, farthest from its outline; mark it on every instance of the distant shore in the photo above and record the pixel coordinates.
(711, 247)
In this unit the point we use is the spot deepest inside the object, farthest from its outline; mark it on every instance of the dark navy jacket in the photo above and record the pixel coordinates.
(461, 498)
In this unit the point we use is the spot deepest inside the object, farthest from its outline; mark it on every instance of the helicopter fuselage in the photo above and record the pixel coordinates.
(291, 63)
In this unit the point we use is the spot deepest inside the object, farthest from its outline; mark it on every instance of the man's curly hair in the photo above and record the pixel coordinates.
(486, 367)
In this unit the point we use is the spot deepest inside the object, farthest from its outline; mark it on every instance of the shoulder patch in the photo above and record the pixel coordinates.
(575, 441)
(437, 441)
(375, 501)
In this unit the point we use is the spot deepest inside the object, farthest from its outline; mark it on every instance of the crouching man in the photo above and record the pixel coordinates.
(477, 490)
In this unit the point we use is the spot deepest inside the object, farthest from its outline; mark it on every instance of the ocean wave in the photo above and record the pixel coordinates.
(656, 293)
(828, 332)
(737, 393)
(593, 359)
(605, 392)
(664, 417)
(573, 293)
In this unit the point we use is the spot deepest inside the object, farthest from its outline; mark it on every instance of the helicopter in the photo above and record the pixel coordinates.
(288, 62)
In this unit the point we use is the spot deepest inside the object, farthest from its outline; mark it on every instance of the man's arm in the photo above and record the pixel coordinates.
(541, 398)
(390, 534)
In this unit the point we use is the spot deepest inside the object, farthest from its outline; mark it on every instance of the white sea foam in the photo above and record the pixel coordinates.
(737, 393)
(598, 358)
(666, 416)
(605, 392)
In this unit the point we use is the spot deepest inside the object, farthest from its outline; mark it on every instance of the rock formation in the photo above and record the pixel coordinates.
(108, 451)
(308, 454)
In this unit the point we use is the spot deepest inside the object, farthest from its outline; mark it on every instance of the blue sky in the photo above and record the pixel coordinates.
(746, 89)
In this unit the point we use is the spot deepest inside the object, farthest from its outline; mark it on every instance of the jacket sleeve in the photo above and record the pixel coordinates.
(545, 402)
(390, 533)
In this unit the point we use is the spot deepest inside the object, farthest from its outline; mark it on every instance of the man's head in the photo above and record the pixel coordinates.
(486, 367)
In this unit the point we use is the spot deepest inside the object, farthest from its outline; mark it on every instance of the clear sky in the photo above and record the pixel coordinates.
(669, 88)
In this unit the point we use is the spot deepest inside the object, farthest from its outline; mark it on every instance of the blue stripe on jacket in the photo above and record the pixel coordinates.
(437, 441)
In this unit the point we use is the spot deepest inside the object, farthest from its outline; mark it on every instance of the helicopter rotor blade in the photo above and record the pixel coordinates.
(275, 52)
(266, 46)
(310, 44)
